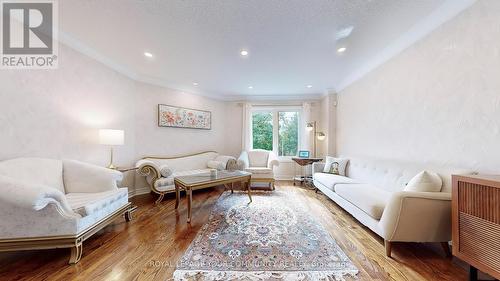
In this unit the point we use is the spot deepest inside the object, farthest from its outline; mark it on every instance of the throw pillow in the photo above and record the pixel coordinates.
(232, 165)
(425, 181)
(212, 164)
(165, 171)
(335, 166)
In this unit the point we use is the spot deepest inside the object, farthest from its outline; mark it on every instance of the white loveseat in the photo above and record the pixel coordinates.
(46, 203)
(372, 192)
(160, 172)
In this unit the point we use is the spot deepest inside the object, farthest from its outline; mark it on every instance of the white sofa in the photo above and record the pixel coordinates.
(151, 168)
(46, 203)
(372, 192)
(260, 163)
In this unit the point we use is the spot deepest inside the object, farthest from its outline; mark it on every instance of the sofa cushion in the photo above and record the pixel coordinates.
(259, 170)
(218, 165)
(330, 180)
(425, 182)
(165, 171)
(258, 158)
(167, 184)
(87, 204)
(366, 197)
(39, 171)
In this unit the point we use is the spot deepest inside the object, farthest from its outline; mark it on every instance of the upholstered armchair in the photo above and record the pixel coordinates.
(46, 203)
(260, 163)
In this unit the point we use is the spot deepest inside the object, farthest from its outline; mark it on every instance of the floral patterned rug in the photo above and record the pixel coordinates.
(272, 238)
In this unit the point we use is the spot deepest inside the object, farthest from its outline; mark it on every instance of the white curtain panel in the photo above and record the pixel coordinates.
(246, 137)
(306, 136)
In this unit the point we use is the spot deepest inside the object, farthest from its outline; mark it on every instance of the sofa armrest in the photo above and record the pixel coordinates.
(243, 161)
(33, 197)
(417, 217)
(150, 170)
(318, 167)
(80, 177)
(272, 160)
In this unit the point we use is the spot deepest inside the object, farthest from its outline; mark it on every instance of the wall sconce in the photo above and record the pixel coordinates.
(111, 138)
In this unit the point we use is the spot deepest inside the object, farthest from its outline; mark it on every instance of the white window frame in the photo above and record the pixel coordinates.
(274, 110)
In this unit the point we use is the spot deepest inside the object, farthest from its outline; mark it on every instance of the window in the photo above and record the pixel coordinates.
(288, 137)
(276, 130)
(262, 130)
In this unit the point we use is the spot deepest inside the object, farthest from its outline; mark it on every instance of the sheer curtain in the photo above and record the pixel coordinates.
(246, 137)
(306, 136)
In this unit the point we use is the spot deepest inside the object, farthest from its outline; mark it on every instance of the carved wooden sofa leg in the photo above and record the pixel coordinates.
(160, 198)
(388, 248)
(76, 251)
(129, 214)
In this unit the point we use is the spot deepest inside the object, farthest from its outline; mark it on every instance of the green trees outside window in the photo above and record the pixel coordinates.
(262, 130)
(288, 140)
(287, 131)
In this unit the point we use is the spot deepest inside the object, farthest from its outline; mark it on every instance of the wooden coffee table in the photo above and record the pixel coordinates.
(199, 181)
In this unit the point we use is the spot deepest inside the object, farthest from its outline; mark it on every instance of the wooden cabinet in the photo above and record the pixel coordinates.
(476, 223)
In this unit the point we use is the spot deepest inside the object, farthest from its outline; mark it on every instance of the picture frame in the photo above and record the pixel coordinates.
(304, 153)
(182, 117)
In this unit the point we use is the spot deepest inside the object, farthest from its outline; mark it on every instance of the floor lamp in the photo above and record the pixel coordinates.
(312, 127)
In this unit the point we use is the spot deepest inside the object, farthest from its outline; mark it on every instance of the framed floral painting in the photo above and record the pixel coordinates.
(180, 117)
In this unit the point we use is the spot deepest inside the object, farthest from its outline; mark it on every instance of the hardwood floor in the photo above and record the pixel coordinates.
(149, 246)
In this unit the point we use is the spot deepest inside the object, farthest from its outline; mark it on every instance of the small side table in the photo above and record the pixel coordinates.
(304, 162)
(133, 208)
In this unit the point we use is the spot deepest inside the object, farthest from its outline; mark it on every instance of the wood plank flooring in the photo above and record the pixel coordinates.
(149, 247)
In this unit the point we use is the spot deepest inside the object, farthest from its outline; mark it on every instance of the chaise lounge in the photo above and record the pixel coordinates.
(48, 203)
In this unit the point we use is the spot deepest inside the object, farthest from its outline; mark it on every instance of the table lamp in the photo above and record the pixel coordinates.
(111, 138)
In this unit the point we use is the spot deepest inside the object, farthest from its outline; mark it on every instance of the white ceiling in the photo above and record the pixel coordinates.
(291, 43)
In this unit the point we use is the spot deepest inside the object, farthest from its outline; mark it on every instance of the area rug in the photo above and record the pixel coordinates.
(272, 238)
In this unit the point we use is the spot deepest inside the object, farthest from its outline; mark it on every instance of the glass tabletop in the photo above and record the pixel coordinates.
(206, 177)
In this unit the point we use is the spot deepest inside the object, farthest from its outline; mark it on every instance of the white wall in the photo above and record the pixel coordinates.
(437, 102)
(57, 114)
(327, 124)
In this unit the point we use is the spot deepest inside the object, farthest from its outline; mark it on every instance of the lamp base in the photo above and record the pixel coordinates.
(112, 167)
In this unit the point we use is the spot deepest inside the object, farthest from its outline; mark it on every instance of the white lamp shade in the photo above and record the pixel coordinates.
(321, 136)
(111, 137)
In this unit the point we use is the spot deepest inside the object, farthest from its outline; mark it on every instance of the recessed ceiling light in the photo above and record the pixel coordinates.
(344, 33)
(148, 54)
(195, 83)
(244, 53)
(250, 87)
(341, 49)
(309, 86)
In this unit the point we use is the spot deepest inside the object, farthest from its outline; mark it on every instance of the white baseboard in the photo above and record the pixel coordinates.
(283, 178)
(139, 191)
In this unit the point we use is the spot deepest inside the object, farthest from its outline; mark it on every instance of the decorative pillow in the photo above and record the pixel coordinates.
(212, 164)
(425, 182)
(335, 166)
(224, 159)
(232, 165)
(165, 171)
